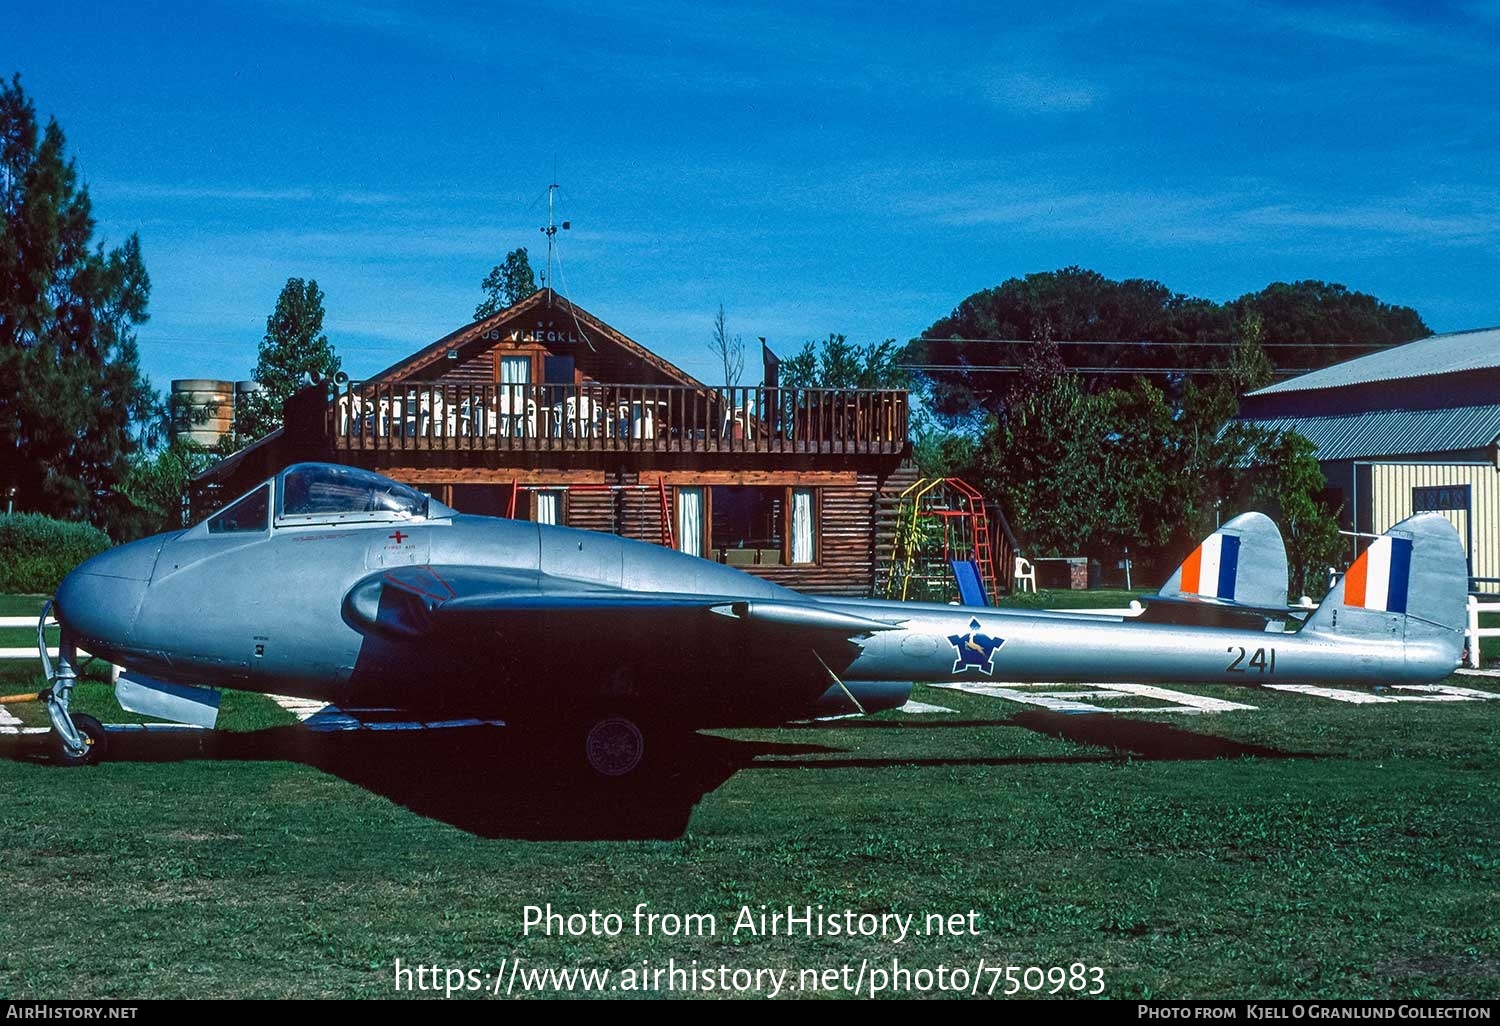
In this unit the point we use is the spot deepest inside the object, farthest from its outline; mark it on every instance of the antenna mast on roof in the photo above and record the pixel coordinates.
(551, 231)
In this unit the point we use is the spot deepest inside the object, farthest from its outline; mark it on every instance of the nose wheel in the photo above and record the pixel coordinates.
(95, 743)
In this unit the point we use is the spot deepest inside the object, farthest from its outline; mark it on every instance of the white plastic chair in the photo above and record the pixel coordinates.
(451, 418)
(426, 414)
(387, 416)
(351, 414)
(470, 413)
(737, 422)
(636, 420)
(507, 417)
(1025, 576)
(578, 415)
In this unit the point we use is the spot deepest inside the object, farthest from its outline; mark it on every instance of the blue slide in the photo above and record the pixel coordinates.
(970, 587)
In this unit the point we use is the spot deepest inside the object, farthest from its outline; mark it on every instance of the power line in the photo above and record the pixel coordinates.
(1085, 342)
(995, 368)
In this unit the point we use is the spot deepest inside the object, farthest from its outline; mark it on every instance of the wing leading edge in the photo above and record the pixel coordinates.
(416, 601)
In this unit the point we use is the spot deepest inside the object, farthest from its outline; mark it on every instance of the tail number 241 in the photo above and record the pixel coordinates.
(1263, 660)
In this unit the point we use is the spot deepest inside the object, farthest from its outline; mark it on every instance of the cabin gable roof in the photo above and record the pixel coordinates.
(521, 318)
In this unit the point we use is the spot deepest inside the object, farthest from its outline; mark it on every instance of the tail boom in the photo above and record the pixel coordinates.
(1397, 617)
(944, 647)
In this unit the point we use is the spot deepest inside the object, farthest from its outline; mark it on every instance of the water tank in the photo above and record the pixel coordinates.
(242, 389)
(202, 410)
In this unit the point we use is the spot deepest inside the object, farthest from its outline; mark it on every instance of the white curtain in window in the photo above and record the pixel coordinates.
(802, 525)
(690, 521)
(549, 507)
(515, 370)
(511, 407)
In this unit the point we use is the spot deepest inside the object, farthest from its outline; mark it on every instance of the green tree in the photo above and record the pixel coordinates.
(507, 284)
(153, 496)
(1043, 462)
(1287, 482)
(999, 327)
(836, 362)
(996, 327)
(293, 350)
(68, 310)
(1318, 313)
(1249, 367)
(1154, 463)
(940, 451)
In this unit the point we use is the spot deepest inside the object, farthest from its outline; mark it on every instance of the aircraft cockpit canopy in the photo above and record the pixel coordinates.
(311, 494)
(327, 493)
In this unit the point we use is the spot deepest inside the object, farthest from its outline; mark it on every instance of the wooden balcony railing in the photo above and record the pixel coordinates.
(442, 417)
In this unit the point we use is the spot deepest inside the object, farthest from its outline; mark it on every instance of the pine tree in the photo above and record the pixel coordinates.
(68, 309)
(506, 284)
(293, 352)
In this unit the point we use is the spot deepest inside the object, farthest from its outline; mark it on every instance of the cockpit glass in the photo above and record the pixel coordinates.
(324, 490)
(247, 514)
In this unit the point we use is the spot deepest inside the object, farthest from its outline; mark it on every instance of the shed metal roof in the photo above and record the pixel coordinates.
(1394, 432)
(1437, 354)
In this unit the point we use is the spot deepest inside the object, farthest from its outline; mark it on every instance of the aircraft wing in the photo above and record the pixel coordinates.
(416, 601)
(1202, 610)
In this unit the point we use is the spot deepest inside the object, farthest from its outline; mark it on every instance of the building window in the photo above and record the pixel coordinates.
(690, 521)
(547, 504)
(515, 370)
(747, 524)
(803, 547)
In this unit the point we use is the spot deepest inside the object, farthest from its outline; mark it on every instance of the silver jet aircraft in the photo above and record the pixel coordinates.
(337, 584)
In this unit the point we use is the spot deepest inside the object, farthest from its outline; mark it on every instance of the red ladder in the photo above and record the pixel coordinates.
(666, 515)
(980, 523)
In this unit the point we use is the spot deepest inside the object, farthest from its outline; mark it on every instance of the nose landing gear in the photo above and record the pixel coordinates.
(78, 740)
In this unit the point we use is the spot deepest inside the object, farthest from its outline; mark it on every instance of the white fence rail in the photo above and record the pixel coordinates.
(29, 623)
(28, 652)
(1474, 631)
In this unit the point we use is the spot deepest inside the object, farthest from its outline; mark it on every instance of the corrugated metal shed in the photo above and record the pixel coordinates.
(1394, 432)
(1389, 493)
(1438, 354)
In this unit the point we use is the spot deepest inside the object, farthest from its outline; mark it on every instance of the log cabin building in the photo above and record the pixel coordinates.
(544, 412)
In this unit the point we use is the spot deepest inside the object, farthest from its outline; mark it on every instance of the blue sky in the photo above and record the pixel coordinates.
(815, 167)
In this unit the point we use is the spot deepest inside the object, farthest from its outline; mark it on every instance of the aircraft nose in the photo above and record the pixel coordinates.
(132, 561)
(99, 600)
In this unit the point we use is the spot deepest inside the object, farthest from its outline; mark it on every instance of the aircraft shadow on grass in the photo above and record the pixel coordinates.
(469, 779)
(1141, 740)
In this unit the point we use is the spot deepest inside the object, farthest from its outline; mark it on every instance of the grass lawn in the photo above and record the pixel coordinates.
(1489, 648)
(1307, 848)
(21, 605)
(1062, 598)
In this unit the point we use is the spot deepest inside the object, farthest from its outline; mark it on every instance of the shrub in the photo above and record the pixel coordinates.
(36, 552)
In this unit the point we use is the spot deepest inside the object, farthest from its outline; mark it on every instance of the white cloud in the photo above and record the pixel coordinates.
(1233, 212)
